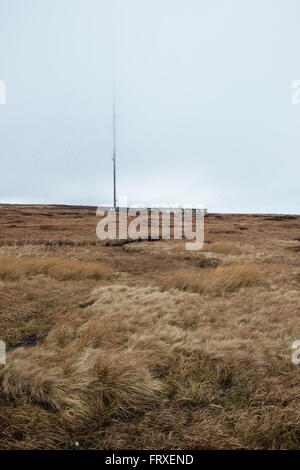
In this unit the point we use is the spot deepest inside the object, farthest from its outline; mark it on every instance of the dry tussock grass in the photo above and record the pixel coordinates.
(172, 359)
(13, 268)
(85, 370)
(137, 367)
(222, 280)
(80, 384)
(103, 362)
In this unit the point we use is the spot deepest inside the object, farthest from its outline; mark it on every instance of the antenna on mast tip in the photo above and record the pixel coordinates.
(114, 145)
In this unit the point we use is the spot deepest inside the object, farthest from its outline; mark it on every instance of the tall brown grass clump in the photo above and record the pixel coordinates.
(223, 279)
(13, 268)
(100, 363)
(85, 370)
(138, 367)
(79, 384)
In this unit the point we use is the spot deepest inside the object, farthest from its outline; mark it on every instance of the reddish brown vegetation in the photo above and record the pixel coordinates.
(146, 345)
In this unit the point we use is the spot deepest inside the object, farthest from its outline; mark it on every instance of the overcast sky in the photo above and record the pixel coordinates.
(204, 112)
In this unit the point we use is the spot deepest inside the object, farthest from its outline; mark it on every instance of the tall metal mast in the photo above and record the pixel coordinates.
(114, 148)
